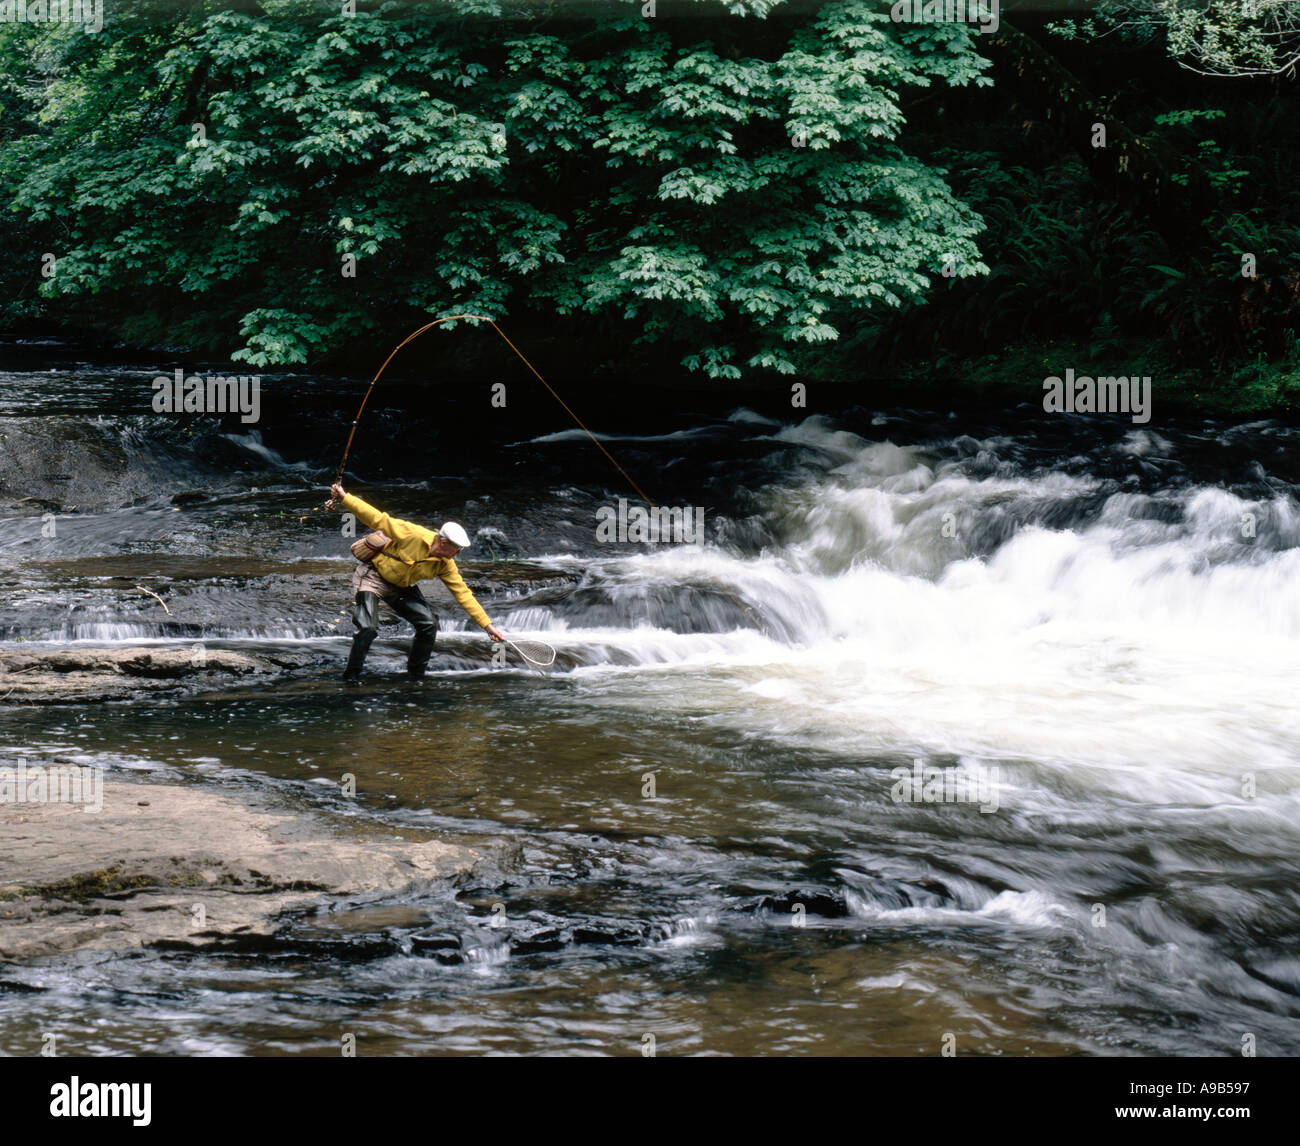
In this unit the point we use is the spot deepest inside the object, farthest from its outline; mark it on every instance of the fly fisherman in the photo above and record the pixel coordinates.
(391, 566)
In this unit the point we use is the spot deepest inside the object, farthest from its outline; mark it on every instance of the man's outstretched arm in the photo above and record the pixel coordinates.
(466, 599)
(368, 515)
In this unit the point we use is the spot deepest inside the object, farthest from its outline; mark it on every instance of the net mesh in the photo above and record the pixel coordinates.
(535, 652)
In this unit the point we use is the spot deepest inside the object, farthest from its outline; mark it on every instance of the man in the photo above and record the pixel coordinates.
(413, 554)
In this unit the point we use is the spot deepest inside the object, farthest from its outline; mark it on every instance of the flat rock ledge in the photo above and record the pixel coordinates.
(77, 676)
(183, 867)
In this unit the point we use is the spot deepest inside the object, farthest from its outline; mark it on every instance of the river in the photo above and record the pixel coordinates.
(1090, 628)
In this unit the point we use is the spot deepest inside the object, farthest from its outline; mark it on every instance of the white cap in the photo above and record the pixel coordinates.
(455, 534)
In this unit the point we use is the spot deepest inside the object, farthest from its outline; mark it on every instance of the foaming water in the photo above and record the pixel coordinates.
(1124, 641)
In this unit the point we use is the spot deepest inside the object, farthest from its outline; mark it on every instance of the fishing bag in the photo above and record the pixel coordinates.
(365, 548)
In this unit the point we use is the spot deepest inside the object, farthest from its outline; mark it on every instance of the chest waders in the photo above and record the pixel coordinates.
(410, 605)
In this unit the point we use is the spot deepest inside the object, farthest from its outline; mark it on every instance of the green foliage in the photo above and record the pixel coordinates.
(734, 188)
(1213, 37)
(1211, 158)
(20, 249)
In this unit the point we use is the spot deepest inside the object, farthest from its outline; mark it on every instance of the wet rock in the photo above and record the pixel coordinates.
(449, 958)
(815, 901)
(192, 869)
(53, 462)
(347, 948)
(541, 939)
(517, 575)
(606, 935)
(287, 945)
(620, 933)
(37, 505)
(76, 676)
(443, 941)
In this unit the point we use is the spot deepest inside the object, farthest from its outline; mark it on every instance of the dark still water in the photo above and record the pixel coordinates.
(1089, 628)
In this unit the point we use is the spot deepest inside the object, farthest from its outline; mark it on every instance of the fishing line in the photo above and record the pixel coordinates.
(347, 449)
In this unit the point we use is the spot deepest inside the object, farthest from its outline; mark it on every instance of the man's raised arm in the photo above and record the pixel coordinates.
(371, 517)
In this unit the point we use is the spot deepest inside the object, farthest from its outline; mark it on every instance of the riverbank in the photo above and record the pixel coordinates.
(151, 869)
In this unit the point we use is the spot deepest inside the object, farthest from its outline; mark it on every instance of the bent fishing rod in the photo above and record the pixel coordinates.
(347, 449)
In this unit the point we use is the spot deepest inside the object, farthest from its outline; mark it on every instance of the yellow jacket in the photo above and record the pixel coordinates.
(405, 560)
